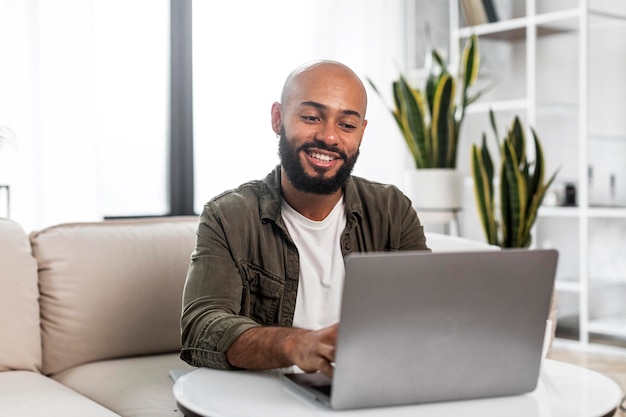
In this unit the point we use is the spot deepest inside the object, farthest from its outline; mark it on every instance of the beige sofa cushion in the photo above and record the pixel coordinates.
(111, 289)
(24, 393)
(20, 340)
(135, 387)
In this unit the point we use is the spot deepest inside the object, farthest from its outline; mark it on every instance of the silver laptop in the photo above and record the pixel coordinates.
(420, 327)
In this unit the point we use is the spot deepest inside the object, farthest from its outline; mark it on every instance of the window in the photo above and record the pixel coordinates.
(86, 93)
(131, 53)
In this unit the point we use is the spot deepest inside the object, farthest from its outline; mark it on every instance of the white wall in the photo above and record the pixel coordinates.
(241, 62)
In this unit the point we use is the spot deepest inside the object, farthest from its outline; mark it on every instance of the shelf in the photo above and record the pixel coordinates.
(603, 284)
(551, 108)
(567, 285)
(558, 211)
(550, 23)
(575, 212)
(607, 212)
(613, 326)
(572, 284)
(500, 28)
(591, 293)
(515, 29)
(499, 105)
(603, 15)
(607, 137)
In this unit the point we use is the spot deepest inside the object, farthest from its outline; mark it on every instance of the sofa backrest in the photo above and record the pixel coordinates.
(20, 339)
(111, 289)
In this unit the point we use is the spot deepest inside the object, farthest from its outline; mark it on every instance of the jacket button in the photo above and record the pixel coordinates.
(347, 245)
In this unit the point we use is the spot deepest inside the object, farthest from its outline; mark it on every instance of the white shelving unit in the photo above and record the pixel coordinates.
(526, 31)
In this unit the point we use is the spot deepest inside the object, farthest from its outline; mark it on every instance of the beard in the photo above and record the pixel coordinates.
(290, 161)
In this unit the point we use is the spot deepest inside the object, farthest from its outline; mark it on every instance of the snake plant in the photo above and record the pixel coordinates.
(430, 119)
(521, 187)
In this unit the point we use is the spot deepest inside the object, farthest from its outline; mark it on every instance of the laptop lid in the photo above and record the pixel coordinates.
(423, 327)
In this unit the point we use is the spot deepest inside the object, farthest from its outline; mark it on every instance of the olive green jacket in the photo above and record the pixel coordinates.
(245, 267)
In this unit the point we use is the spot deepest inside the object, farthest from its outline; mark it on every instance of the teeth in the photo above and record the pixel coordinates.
(321, 157)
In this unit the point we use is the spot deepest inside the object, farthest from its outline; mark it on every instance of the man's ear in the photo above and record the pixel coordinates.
(276, 117)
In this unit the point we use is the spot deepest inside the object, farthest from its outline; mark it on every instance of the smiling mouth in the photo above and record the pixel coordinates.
(320, 156)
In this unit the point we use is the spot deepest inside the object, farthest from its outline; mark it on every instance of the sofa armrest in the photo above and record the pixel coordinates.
(20, 337)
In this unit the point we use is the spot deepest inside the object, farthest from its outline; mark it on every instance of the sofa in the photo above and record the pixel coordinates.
(90, 316)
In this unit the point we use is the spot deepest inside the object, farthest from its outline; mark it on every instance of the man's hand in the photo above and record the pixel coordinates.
(279, 347)
(313, 350)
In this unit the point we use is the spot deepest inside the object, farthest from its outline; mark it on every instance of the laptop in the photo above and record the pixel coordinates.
(418, 327)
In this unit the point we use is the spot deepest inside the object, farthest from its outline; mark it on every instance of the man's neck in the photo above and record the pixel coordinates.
(312, 206)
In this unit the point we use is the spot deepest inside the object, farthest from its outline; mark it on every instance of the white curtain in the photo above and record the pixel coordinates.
(244, 50)
(84, 89)
(47, 101)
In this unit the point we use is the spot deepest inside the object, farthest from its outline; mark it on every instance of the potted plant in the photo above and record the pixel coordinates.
(430, 121)
(520, 190)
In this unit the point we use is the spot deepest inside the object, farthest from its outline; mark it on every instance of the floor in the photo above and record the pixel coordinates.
(610, 364)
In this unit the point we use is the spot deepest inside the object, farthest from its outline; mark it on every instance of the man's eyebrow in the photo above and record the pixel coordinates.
(321, 106)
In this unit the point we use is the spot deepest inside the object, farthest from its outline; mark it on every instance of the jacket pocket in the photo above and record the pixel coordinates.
(261, 296)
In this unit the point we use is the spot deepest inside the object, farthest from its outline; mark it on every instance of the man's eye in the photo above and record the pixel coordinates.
(348, 126)
(310, 118)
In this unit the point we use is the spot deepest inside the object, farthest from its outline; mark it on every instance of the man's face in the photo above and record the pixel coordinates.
(317, 184)
(321, 124)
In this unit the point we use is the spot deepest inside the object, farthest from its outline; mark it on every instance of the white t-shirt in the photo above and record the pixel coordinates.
(322, 269)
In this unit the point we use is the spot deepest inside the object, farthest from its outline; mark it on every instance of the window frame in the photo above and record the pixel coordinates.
(180, 163)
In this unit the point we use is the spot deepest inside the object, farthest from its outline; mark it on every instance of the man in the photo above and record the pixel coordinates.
(264, 284)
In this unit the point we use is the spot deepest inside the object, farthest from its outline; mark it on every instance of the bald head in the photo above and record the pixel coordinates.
(330, 76)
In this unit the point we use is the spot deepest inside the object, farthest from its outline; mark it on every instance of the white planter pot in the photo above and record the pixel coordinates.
(434, 188)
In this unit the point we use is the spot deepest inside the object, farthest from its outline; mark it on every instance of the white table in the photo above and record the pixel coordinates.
(563, 390)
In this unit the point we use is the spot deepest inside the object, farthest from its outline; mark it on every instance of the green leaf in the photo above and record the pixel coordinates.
(537, 177)
(487, 163)
(494, 126)
(470, 63)
(429, 91)
(531, 214)
(518, 140)
(440, 120)
(439, 60)
(450, 161)
(515, 194)
(399, 114)
(483, 193)
(414, 121)
(410, 118)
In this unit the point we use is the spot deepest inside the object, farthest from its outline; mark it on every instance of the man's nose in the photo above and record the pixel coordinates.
(328, 133)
